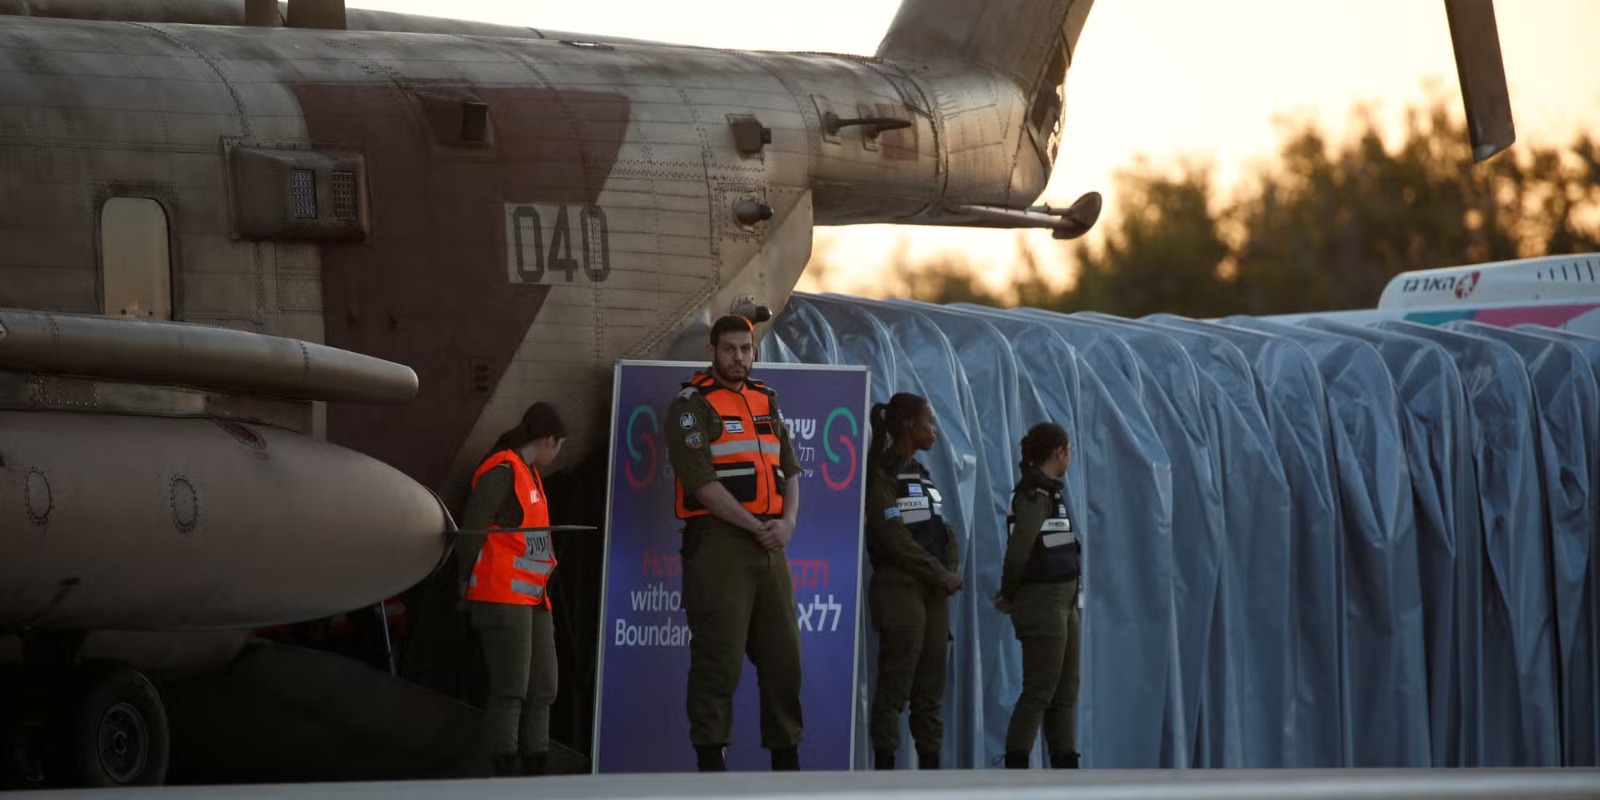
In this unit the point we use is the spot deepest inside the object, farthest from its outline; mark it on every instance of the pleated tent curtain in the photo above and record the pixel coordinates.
(1306, 545)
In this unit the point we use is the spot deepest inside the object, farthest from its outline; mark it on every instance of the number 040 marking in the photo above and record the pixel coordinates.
(541, 242)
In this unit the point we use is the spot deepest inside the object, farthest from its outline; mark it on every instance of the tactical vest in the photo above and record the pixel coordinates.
(515, 568)
(745, 448)
(1056, 551)
(921, 509)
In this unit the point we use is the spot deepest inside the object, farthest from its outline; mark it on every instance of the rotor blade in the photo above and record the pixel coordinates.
(488, 531)
(1483, 76)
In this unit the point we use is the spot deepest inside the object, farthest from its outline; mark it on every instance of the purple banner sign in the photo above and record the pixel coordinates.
(641, 721)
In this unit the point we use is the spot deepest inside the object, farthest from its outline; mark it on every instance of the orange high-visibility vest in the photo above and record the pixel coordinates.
(744, 447)
(514, 568)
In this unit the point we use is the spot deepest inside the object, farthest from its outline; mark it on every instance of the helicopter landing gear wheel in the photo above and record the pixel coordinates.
(115, 731)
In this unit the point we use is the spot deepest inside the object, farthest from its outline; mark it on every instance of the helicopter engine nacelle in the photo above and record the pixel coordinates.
(197, 524)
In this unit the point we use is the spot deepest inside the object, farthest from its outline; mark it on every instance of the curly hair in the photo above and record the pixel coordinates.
(1040, 441)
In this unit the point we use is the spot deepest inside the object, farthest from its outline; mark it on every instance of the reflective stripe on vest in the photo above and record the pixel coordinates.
(745, 449)
(748, 446)
(1057, 532)
(921, 508)
(514, 568)
(1056, 550)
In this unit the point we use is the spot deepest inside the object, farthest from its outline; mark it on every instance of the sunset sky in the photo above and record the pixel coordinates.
(1154, 78)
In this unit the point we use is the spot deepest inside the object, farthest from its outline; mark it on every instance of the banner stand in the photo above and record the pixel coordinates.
(640, 721)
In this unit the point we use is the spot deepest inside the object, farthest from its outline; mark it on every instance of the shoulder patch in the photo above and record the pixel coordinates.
(694, 440)
(687, 421)
(892, 512)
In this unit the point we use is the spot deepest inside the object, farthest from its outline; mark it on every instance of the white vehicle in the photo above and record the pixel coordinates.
(1553, 291)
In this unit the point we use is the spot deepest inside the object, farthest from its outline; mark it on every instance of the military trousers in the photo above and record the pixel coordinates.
(519, 649)
(1045, 616)
(913, 624)
(739, 601)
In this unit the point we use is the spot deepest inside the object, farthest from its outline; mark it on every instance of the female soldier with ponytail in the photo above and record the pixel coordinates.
(503, 578)
(914, 572)
(1039, 589)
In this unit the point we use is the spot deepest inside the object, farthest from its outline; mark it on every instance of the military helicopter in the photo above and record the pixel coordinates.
(274, 274)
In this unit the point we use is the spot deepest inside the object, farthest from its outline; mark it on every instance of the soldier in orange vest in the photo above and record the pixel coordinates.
(738, 492)
(504, 578)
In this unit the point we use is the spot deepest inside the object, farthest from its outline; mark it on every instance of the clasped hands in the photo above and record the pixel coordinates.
(774, 534)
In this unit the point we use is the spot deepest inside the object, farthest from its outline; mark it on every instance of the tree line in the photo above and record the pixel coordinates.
(1322, 225)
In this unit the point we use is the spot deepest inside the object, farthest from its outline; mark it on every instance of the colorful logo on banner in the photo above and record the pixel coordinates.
(641, 721)
(845, 443)
(642, 467)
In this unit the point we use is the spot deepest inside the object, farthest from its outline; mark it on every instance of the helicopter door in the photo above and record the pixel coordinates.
(135, 259)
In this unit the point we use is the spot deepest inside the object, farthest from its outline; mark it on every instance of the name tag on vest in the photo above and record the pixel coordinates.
(538, 545)
(1056, 532)
(912, 503)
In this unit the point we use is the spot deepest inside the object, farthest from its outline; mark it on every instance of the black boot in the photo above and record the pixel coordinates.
(883, 759)
(506, 765)
(785, 759)
(1016, 760)
(710, 758)
(927, 759)
(536, 764)
(1068, 760)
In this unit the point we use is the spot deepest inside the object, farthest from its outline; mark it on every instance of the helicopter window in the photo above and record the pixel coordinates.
(135, 259)
(1049, 98)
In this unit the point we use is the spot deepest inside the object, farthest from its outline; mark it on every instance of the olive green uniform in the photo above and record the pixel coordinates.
(911, 612)
(519, 645)
(737, 596)
(1045, 616)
